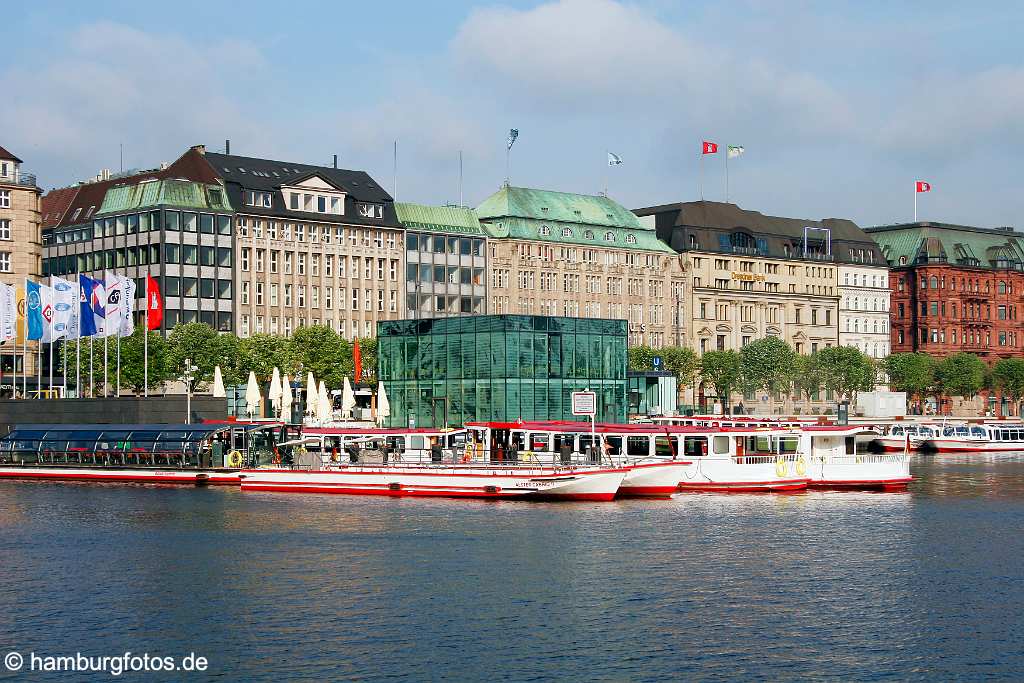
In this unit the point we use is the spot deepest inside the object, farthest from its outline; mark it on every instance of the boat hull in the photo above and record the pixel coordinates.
(969, 446)
(744, 474)
(446, 482)
(860, 471)
(124, 475)
(658, 479)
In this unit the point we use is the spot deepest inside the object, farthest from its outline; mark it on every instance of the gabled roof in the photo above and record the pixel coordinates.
(269, 175)
(55, 204)
(450, 219)
(4, 154)
(565, 218)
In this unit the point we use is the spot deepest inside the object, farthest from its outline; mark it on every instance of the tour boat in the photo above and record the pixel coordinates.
(191, 454)
(841, 457)
(423, 462)
(662, 460)
(985, 437)
(903, 437)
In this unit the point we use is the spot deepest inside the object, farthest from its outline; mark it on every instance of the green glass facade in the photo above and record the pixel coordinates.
(500, 367)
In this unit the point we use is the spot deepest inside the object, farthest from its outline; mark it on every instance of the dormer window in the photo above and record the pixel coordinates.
(609, 236)
(257, 198)
(544, 231)
(630, 239)
(367, 210)
(566, 232)
(4, 169)
(589, 234)
(78, 212)
(214, 197)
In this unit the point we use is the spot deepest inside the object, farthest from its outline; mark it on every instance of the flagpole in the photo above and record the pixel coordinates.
(53, 305)
(727, 173)
(106, 345)
(92, 373)
(78, 342)
(14, 370)
(145, 344)
(700, 174)
(915, 201)
(117, 391)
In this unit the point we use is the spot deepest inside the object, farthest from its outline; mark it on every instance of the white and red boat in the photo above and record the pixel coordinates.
(662, 459)
(986, 437)
(190, 454)
(843, 457)
(424, 462)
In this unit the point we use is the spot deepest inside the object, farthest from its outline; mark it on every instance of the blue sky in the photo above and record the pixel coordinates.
(840, 106)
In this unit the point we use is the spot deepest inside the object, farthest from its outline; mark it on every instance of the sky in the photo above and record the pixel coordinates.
(840, 106)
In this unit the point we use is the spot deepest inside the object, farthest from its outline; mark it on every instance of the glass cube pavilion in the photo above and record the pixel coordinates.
(449, 371)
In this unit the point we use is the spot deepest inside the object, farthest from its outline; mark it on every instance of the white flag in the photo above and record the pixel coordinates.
(8, 312)
(65, 307)
(735, 151)
(46, 310)
(512, 135)
(113, 290)
(614, 159)
(127, 306)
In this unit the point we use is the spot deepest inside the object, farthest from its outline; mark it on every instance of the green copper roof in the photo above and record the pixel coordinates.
(179, 193)
(452, 219)
(566, 218)
(915, 243)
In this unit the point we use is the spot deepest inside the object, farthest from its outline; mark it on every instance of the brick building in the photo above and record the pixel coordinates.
(955, 288)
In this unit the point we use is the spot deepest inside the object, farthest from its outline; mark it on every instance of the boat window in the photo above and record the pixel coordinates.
(962, 431)
(948, 431)
(568, 439)
(614, 445)
(757, 444)
(396, 444)
(586, 441)
(144, 442)
(25, 441)
(456, 440)
(55, 442)
(696, 446)
(638, 445)
(112, 441)
(172, 442)
(897, 431)
(663, 446)
(788, 444)
(416, 443)
(540, 442)
(851, 446)
(721, 445)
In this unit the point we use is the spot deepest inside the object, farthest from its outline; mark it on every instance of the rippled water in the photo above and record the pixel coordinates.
(922, 585)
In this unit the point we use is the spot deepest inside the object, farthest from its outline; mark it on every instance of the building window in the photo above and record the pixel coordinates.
(544, 231)
(5, 199)
(5, 230)
(630, 239)
(5, 261)
(609, 236)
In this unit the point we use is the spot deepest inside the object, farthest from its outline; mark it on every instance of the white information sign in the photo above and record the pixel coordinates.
(584, 403)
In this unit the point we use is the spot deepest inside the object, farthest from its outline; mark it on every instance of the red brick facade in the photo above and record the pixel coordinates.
(941, 309)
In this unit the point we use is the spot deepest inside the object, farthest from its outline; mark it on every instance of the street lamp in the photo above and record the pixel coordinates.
(188, 376)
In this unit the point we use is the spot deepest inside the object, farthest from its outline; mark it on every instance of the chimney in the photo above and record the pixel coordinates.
(199, 148)
(227, 146)
(105, 174)
(335, 161)
(164, 165)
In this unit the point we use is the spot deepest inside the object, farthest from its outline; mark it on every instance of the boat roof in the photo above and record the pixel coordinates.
(202, 427)
(660, 429)
(377, 431)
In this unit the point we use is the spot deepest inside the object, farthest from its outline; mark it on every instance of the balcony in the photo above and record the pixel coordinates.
(19, 178)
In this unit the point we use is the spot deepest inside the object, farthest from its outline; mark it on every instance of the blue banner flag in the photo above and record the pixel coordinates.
(33, 310)
(85, 319)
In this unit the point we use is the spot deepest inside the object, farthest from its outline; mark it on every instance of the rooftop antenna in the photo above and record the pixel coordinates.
(122, 157)
(460, 179)
(335, 161)
(227, 146)
(395, 167)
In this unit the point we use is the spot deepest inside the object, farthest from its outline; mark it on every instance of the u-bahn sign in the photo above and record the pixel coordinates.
(584, 403)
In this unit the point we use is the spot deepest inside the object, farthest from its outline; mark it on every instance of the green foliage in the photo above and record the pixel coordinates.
(368, 355)
(806, 379)
(133, 354)
(767, 364)
(640, 358)
(319, 349)
(1008, 377)
(913, 373)
(206, 349)
(681, 361)
(261, 353)
(844, 370)
(962, 374)
(720, 370)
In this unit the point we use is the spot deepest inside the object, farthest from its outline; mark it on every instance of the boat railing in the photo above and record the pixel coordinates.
(860, 458)
(765, 458)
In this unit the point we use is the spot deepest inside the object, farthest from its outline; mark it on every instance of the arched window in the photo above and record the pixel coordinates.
(874, 326)
(874, 304)
(544, 231)
(589, 234)
(1002, 287)
(847, 324)
(856, 303)
(856, 325)
(566, 232)
(903, 260)
(609, 236)
(630, 239)
(934, 282)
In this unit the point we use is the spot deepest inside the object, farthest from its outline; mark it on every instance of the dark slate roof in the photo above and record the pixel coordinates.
(708, 221)
(4, 154)
(909, 244)
(249, 173)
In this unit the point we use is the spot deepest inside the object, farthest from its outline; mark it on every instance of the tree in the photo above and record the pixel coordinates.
(133, 354)
(368, 359)
(721, 371)
(913, 373)
(261, 353)
(767, 365)
(844, 370)
(1008, 377)
(681, 361)
(206, 348)
(806, 378)
(640, 358)
(319, 349)
(962, 374)
(78, 365)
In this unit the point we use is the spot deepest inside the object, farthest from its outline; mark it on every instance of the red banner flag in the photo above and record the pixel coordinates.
(710, 148)
(154, 304)
(357, 359)
(922, 186)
